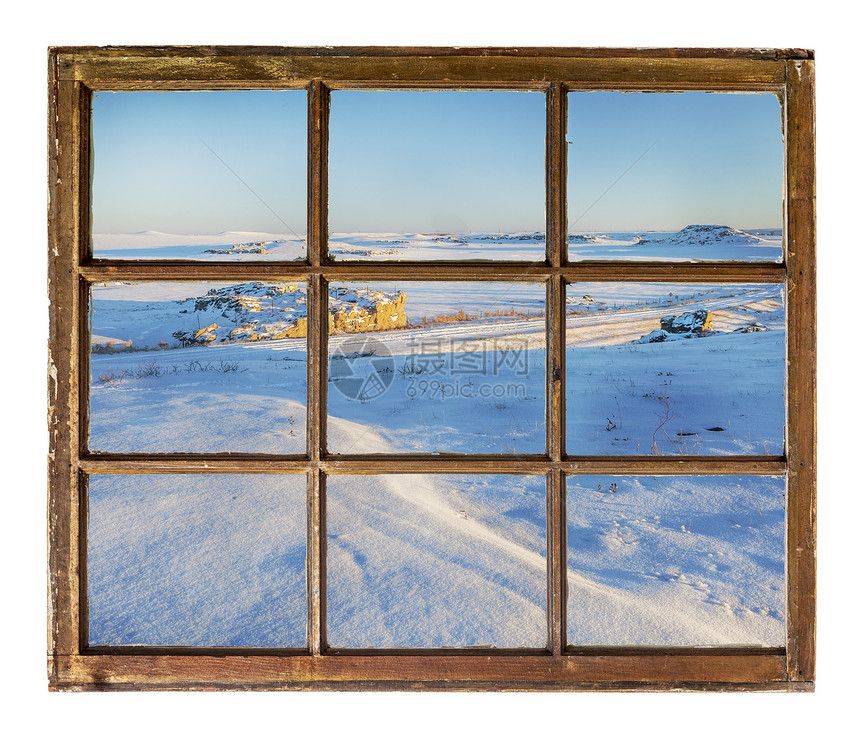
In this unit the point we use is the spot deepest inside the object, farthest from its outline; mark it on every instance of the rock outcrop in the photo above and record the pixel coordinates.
(678, 327)
(689, 322)
(540, 237)
(250, 312)
(365, 252)
(242, 248)
(365, 311)
(753, 327)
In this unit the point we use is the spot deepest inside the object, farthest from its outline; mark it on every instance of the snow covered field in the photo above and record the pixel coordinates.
(206, 560)
(436, 561)
(153, 244)
(689, 244)
(425, 561)
(693, 243)
(679, 560)
(720, 394)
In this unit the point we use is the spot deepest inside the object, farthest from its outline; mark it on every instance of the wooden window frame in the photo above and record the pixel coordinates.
(75, 73)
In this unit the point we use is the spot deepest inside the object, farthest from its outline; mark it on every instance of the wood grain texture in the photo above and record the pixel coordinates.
(556, 373)
(556, 255)
(725, 272)
(555, 420)
(316, 436)
(406, 51)
(557, 562)
(130, 69)
(462, 671)
(556, 175)
(148, 463)
(316, 562)
(63, 385)
(317, 337)
(622, 465)
(81, 592)
(83, 340)
(319, 102)
(317, 340)
(431, 463)
(801, 390)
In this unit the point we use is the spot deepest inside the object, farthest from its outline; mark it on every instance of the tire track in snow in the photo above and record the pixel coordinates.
(402, 340)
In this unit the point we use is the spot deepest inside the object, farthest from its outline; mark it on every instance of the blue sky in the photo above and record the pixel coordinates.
(153, 171)
(716, 159)
(437, 161)
(433, 161)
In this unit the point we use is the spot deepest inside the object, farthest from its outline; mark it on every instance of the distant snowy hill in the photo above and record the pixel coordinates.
(693, 243)
(708, 235)
(224, 246)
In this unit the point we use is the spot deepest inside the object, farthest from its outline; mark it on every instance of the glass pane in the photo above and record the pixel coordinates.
(676, 561)
(410, 373)
(199, 175)
(437, 175)
(197, 560)
(436, 561)
(675, 369)
(198, 367)
(690, 176)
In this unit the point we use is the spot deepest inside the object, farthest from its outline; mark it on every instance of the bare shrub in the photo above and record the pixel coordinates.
(664, 415)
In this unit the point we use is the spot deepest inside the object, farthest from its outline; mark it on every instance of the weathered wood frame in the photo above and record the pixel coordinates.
(74, 73)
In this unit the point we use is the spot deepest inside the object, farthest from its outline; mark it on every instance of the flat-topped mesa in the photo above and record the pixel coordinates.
(253, 311)
(706, 235)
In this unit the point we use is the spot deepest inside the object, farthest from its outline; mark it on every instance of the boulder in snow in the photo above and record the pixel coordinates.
(678, 327)
(690, 322)
(753, 327)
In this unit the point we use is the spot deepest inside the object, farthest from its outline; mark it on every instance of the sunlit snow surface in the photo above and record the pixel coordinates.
(436, 561)
(720, 394)
(196, 560)
(431, 561)
(679, 560)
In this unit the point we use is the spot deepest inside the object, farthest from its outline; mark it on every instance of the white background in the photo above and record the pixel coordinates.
(823, 26)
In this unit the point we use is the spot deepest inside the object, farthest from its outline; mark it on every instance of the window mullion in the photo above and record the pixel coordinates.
(318, 119)
(316, 561)
(556, 242)
(556, 175)
(316, 430)
(317, 337)
(557, 553)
